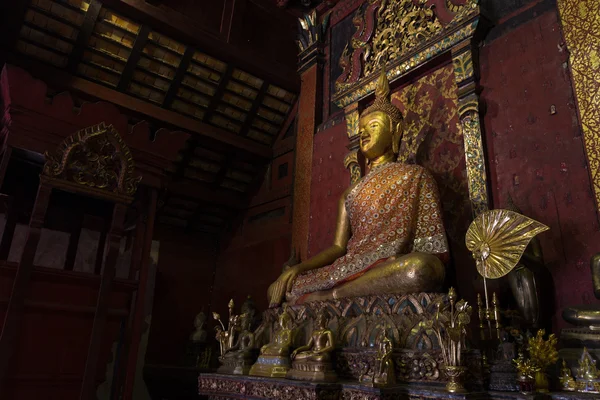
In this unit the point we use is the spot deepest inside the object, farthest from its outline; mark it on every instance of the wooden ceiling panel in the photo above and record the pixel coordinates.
(241, 112)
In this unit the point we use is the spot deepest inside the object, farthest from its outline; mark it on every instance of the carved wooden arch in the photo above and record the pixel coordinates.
(405, 35)
(94, 161)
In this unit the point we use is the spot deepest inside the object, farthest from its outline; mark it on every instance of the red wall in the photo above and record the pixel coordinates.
(538, 157)
(55, 332)
(184, 279)
(329, 180)
(253, 255)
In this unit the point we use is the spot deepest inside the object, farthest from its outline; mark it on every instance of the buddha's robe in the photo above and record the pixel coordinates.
(394, 210)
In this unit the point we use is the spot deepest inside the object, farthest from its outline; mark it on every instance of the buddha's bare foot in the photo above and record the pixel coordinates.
(319, 296)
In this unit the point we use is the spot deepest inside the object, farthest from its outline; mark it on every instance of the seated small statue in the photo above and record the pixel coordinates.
(390, 238)
(239, 358)
(312, 362)
(274, 359)
(587, 316)
(199, 335)
(384, 364)
(566, 378)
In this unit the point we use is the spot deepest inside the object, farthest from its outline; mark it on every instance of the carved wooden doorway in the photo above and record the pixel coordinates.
(92, 167)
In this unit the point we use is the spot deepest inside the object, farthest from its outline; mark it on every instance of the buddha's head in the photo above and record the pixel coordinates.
(322, 319)
(380, 125)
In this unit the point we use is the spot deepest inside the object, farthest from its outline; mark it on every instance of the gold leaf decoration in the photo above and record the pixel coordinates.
(95, 157)
(498, 238)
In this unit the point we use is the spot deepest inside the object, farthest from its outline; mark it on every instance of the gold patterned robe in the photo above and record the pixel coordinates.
(394, 210)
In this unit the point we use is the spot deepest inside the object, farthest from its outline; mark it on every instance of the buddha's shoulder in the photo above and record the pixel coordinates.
(414, 169)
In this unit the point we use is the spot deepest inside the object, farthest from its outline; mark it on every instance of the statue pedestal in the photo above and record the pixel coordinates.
(271, 366)
(312, 371)
(357, 323)
(217, 386)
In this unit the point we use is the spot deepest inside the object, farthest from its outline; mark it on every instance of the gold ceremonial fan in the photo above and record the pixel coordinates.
(498, 238)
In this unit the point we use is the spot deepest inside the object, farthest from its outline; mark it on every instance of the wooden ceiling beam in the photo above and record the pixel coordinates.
(87, 29)
(207, 194)
(61, 80)
(181, 70)
(254, 109)
(134, 58)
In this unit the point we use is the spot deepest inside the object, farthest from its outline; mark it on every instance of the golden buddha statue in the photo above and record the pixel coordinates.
(312, 361)
(274, 359)
(240, 356)
(384, 365)
(390, 238)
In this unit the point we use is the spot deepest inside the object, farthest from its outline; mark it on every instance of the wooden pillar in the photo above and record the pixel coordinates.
(465, 74)
(140, 298)
(309, 116)
(88, 388)
(14, 312)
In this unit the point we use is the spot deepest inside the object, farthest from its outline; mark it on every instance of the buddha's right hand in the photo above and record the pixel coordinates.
(283, 284)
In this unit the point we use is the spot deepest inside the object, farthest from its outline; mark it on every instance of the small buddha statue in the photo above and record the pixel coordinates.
(274, 359)
(199, 335)
(239, 358)
(312, 362)
(587, 316)
(389, 238)
(384, 365)
(566, 378)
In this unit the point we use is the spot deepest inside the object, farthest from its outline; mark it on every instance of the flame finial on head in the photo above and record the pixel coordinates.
(382, 100)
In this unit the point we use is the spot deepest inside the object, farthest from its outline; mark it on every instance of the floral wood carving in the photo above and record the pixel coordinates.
(388, 30)
(95, 157)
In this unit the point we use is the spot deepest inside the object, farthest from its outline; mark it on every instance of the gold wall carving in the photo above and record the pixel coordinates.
(401, 26)
(581, 27)
(95, 158)
(401, 35)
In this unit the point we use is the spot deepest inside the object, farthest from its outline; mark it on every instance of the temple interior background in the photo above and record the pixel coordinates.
(235, 130)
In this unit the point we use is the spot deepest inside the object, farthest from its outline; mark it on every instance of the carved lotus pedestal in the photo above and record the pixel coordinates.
(312, 371)
(271, 366)
(357, 323)
(216, 386)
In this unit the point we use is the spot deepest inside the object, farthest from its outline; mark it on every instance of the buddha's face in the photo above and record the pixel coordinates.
(322, 321)
(376, 134)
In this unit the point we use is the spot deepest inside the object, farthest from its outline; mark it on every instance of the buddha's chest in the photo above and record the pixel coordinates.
(320, 339)
(382, 198)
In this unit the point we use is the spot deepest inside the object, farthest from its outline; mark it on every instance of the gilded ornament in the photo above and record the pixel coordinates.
(566, 378)
(449, 326)
(95, 157)
(526, 371)
(351, 163)
(588, 376)
(581, 24)
(237, 341)
(498, 238)
(543, 354)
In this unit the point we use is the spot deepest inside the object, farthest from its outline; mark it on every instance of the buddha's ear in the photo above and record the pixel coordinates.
(396, 137)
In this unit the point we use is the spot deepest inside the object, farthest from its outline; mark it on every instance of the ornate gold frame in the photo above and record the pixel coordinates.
(103, 149)
(437, 27)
